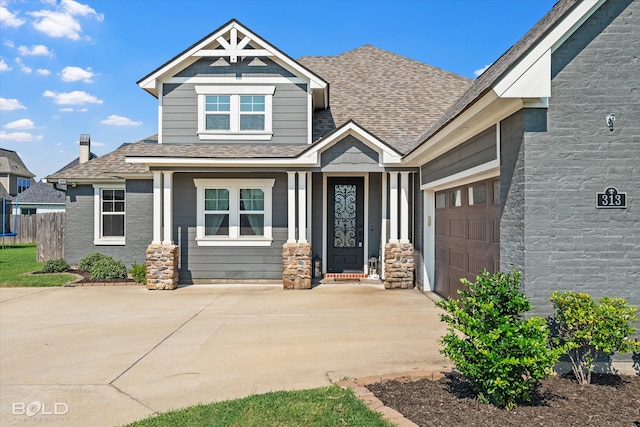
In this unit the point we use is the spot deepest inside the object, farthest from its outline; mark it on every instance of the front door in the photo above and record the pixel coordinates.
(345, 241)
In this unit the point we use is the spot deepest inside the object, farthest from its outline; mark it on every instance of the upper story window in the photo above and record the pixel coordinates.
(235, 112)
(23, 184)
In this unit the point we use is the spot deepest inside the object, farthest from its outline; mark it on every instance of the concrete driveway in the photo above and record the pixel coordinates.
(107, 356)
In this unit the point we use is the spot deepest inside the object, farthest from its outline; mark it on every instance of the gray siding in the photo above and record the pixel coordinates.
(79, 232)
(180, 114)
(201, 263)
(474, 152)
(569, 244)
(349, 154)
(375, 200)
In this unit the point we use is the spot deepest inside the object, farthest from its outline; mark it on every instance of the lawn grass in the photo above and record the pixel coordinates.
(19, 259)
(319, 407)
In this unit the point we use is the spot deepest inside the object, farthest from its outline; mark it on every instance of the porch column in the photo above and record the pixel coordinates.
(309, 205)
(385, 219)
(302, 207)
(393, 207)
(157, 208)
(168, 211)
(404, 207)
(291, 203)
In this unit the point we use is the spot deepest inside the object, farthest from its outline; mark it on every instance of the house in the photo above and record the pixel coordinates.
(14, 175)
(258, 169)
(14, 179)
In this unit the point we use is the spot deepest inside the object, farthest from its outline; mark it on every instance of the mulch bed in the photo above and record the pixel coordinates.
(610, 400)
(85, 279)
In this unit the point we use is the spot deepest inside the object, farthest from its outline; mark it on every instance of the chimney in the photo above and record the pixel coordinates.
(85, 147)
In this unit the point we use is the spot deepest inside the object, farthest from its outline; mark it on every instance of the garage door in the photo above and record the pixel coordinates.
(467, 234)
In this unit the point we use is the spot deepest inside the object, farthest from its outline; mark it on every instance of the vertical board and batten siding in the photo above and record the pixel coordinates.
(476, 151)
(350, 154)
(180, 101)
(79, 233)
(200, 264)
(569, 244)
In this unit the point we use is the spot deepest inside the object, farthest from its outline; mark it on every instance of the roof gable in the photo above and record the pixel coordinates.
(228, 43)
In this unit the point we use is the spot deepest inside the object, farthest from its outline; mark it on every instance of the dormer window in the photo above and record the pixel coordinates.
(235, 112)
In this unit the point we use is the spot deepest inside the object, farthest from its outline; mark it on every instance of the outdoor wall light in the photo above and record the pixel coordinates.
(610, 118)
(317, 267)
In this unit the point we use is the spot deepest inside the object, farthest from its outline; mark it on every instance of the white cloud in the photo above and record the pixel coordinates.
(63, 21)
(4, 66)
(115, 120)
(9, 19)
(478, 72)
(11, 104)
(23, 67)
(71, 110)
(77, 97)
(19, 136)
(74, 74)
(35, 50)
(43, 72)
(20, 124)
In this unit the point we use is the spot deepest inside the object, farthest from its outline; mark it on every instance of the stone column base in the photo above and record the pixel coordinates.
(398, 266)
(296, 266)
(162, 266)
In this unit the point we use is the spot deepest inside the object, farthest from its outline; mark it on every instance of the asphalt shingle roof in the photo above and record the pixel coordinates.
(11, 163)
(42, 192)
(393, 97)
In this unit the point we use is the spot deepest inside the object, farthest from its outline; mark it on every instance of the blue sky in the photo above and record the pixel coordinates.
(69, 67)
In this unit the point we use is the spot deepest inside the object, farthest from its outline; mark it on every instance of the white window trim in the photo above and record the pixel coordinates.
(97, 215)
(234, 92)
(234, 186)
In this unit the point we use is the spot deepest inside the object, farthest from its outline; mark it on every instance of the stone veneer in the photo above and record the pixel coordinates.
(398, 266)
(296, 266)
(162, 266)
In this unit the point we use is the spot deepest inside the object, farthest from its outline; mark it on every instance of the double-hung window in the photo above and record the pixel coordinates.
(109, 215)
(235, 112)
(234, 212)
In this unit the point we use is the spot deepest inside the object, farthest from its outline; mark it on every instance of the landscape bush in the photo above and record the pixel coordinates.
(584, 327)
(55, 266)
(502, 354)
(87, 263)
(138, 272)
(108, 269)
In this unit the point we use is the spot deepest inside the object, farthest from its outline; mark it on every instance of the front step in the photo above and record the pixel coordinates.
(344, 278)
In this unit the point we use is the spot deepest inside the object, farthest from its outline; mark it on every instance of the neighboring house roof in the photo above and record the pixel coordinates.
(111, 165)
(393, 97)
(10, 162)
(41, 193)
(74, 163)
(3, 193)
(485, 82)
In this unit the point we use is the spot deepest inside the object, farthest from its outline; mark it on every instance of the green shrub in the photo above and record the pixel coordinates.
(86, 263)
(586, 327)
(55, 266)
(139, 272)
(502, 354)
(108, 269)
